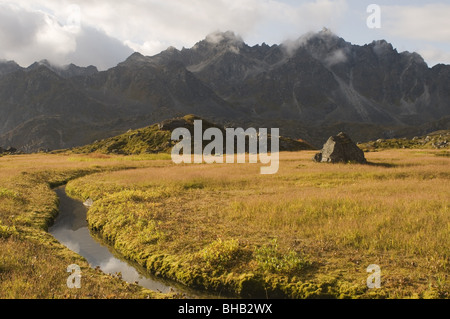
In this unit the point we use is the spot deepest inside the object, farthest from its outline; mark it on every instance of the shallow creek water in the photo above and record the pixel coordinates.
(71, 229)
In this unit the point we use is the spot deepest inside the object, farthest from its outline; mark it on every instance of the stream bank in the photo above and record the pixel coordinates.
(71, 229)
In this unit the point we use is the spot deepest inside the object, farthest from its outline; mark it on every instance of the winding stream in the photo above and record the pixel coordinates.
(71, 229)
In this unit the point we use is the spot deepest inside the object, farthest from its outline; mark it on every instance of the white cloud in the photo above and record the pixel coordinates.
(28, 35)
(429, 22)
(434, 55)
(148, 47)
(336, 57)
(109, 31)
(24, 25)
(52, 35)
(424, 29)
(150, 26)
(25, 34)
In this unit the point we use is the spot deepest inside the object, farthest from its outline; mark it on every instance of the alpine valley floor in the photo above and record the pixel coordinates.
(310, 231)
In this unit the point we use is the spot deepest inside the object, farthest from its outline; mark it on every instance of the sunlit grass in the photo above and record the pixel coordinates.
(335, 219)
(103, 157)
(32, 263)
(309, 231)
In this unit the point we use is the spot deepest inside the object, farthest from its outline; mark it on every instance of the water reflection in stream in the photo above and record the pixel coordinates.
(71, 229)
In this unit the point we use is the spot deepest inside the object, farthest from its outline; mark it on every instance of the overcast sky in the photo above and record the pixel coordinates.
(104, 33)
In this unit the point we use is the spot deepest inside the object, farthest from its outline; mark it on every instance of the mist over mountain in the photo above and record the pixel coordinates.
(310, 88)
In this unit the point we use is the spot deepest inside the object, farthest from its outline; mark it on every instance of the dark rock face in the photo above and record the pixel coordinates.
(8, 150)
(7, 67)
(340, 149)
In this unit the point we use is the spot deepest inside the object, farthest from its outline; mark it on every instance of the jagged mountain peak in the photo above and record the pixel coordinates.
(135, 59)
(322, 85)
(64, 71)
(325, 39)
(221, 41)
(75, 68)
(382, 47)
(325, 35)
(414, 57)
(38, 64)
(3, 61)
(172, 49)
(7, 67)
(385, 50)
(228, 37)
(42, 71)
(318, 44)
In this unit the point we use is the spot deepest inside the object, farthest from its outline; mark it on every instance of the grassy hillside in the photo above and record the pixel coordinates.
(157, 139)
(436, 140)
(143, 141)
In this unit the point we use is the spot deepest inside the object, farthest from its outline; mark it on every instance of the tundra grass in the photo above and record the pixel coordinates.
(310, 231)
(33, 265)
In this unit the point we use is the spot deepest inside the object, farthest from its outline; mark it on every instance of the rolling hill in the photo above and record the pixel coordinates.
(157, 139)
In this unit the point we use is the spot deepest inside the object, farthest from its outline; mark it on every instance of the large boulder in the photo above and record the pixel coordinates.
(340, 149)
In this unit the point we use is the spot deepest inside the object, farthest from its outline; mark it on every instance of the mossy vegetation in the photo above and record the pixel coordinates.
(309, 231)
(156, 139)
(32, 263)
(271, 260)
(149, 140)
(435, 140)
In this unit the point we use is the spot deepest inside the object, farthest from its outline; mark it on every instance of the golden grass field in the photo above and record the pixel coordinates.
(309, 231)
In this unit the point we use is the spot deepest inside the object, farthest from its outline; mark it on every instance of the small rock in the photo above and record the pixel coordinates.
(88, 203)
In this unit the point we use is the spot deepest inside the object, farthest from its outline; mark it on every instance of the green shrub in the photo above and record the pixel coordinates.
(6, 193)
(221, 255)
(270, 259)
(7, 231)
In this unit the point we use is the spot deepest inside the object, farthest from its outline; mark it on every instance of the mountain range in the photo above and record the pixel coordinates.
(310, 88)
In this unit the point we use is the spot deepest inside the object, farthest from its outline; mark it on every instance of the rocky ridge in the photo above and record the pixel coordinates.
(310, 88)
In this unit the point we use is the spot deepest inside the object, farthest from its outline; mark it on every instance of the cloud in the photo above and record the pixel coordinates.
(429, 22)
(34, 30)
(336, 57)
(24, 24)
(381, 47)
(28, 35)
(434, 55)
(421, 28)
(94, 47)
(25, 33)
